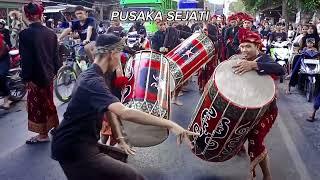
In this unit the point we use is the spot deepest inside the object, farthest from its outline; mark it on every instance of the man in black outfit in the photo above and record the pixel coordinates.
(75, 143)
(157, 40)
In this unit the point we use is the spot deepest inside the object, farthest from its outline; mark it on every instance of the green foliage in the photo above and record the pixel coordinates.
(307, 5)
(237, 6)
(310, 5)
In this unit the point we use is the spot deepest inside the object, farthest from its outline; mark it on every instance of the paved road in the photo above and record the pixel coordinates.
(294, 147)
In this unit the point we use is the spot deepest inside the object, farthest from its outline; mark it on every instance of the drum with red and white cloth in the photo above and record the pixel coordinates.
(231, 105)
(148, 90)
(188, 57)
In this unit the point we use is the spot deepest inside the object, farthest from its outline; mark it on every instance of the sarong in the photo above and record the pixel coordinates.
(42, 113)
(256, 147)
(206, 73)
(106, 131)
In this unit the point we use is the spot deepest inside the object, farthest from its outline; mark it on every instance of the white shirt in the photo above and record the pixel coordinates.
(298, 39)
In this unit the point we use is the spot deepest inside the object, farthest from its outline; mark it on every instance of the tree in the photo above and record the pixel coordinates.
(237, 6)
(289, 7)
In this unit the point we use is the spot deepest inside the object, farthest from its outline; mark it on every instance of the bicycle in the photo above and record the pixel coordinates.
(75, 62)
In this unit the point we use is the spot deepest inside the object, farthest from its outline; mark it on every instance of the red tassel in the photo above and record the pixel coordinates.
(120, 82)
(274, 77)
(123, 58)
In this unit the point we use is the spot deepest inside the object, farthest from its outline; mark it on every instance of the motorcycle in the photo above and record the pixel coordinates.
(15, 84)
(309, 73)
(281, 53)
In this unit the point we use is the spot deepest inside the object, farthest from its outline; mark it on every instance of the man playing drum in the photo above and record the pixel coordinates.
(75, 144)
(254, 60)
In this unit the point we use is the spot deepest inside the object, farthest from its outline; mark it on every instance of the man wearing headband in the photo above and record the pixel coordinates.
(75, 143)
(39, 63)
(247, 25)
(86, 28)
(230, 35)
(264, 65)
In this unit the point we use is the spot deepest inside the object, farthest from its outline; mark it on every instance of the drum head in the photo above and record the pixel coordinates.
(143, 135)
(248, 90)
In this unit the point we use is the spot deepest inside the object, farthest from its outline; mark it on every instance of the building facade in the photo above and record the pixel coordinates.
(8, 5)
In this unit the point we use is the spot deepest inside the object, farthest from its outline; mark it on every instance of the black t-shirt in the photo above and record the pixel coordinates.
(116, 30)
(83, 29)
(79, 132)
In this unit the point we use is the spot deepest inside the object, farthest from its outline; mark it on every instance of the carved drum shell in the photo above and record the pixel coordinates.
(148, 90)
(221, 117)
(188, 57)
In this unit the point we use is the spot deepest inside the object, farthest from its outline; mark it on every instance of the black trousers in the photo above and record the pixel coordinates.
(4, 68)
(100, 167)
(4, 90)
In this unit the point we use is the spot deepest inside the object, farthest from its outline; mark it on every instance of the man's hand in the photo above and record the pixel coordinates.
(126, 148)
(85, 42)
(244, 66)
(183, 134)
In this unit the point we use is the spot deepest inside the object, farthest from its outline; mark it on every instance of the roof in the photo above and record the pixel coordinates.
(63, 7)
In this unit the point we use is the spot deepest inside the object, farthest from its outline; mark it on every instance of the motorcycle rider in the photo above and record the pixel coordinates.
(276, 36)
(294, 76)
(5, 32)
(313, 34)
(4, 68)
(86, 28)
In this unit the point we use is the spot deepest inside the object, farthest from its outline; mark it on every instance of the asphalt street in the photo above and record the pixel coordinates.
(294, 146)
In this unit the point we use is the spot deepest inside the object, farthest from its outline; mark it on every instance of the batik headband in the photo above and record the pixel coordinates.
(110, 47)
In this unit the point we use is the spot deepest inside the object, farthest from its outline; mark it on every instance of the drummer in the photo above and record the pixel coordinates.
(247, 25)
(229, 35)
(75, 143)
(254, 60)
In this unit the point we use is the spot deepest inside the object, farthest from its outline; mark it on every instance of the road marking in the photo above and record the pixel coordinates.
(293, 151)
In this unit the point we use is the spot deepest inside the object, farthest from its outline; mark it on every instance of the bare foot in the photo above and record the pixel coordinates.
(288, 92)
(178, 103)
(6, 104)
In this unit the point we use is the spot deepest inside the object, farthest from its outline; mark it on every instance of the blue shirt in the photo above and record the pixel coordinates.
(83, 29)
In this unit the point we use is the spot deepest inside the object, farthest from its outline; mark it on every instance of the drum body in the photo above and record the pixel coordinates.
(231, 105)
(188, 57)
(147, 91)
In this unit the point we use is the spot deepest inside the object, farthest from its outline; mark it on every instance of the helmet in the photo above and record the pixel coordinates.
(310, 40)
(2, 21)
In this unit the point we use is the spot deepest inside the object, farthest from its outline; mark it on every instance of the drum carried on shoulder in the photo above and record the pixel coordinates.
(231, 105)
(148, 90)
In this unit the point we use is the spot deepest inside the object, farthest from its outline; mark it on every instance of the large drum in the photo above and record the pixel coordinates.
(147, 91)
(231, 105)
(188, 57)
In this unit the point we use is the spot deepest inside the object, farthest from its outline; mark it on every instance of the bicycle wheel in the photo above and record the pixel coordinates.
(64, 83)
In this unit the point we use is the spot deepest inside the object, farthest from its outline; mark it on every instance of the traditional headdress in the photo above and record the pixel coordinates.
(33, 9)
(251, 37)
(232, 18)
